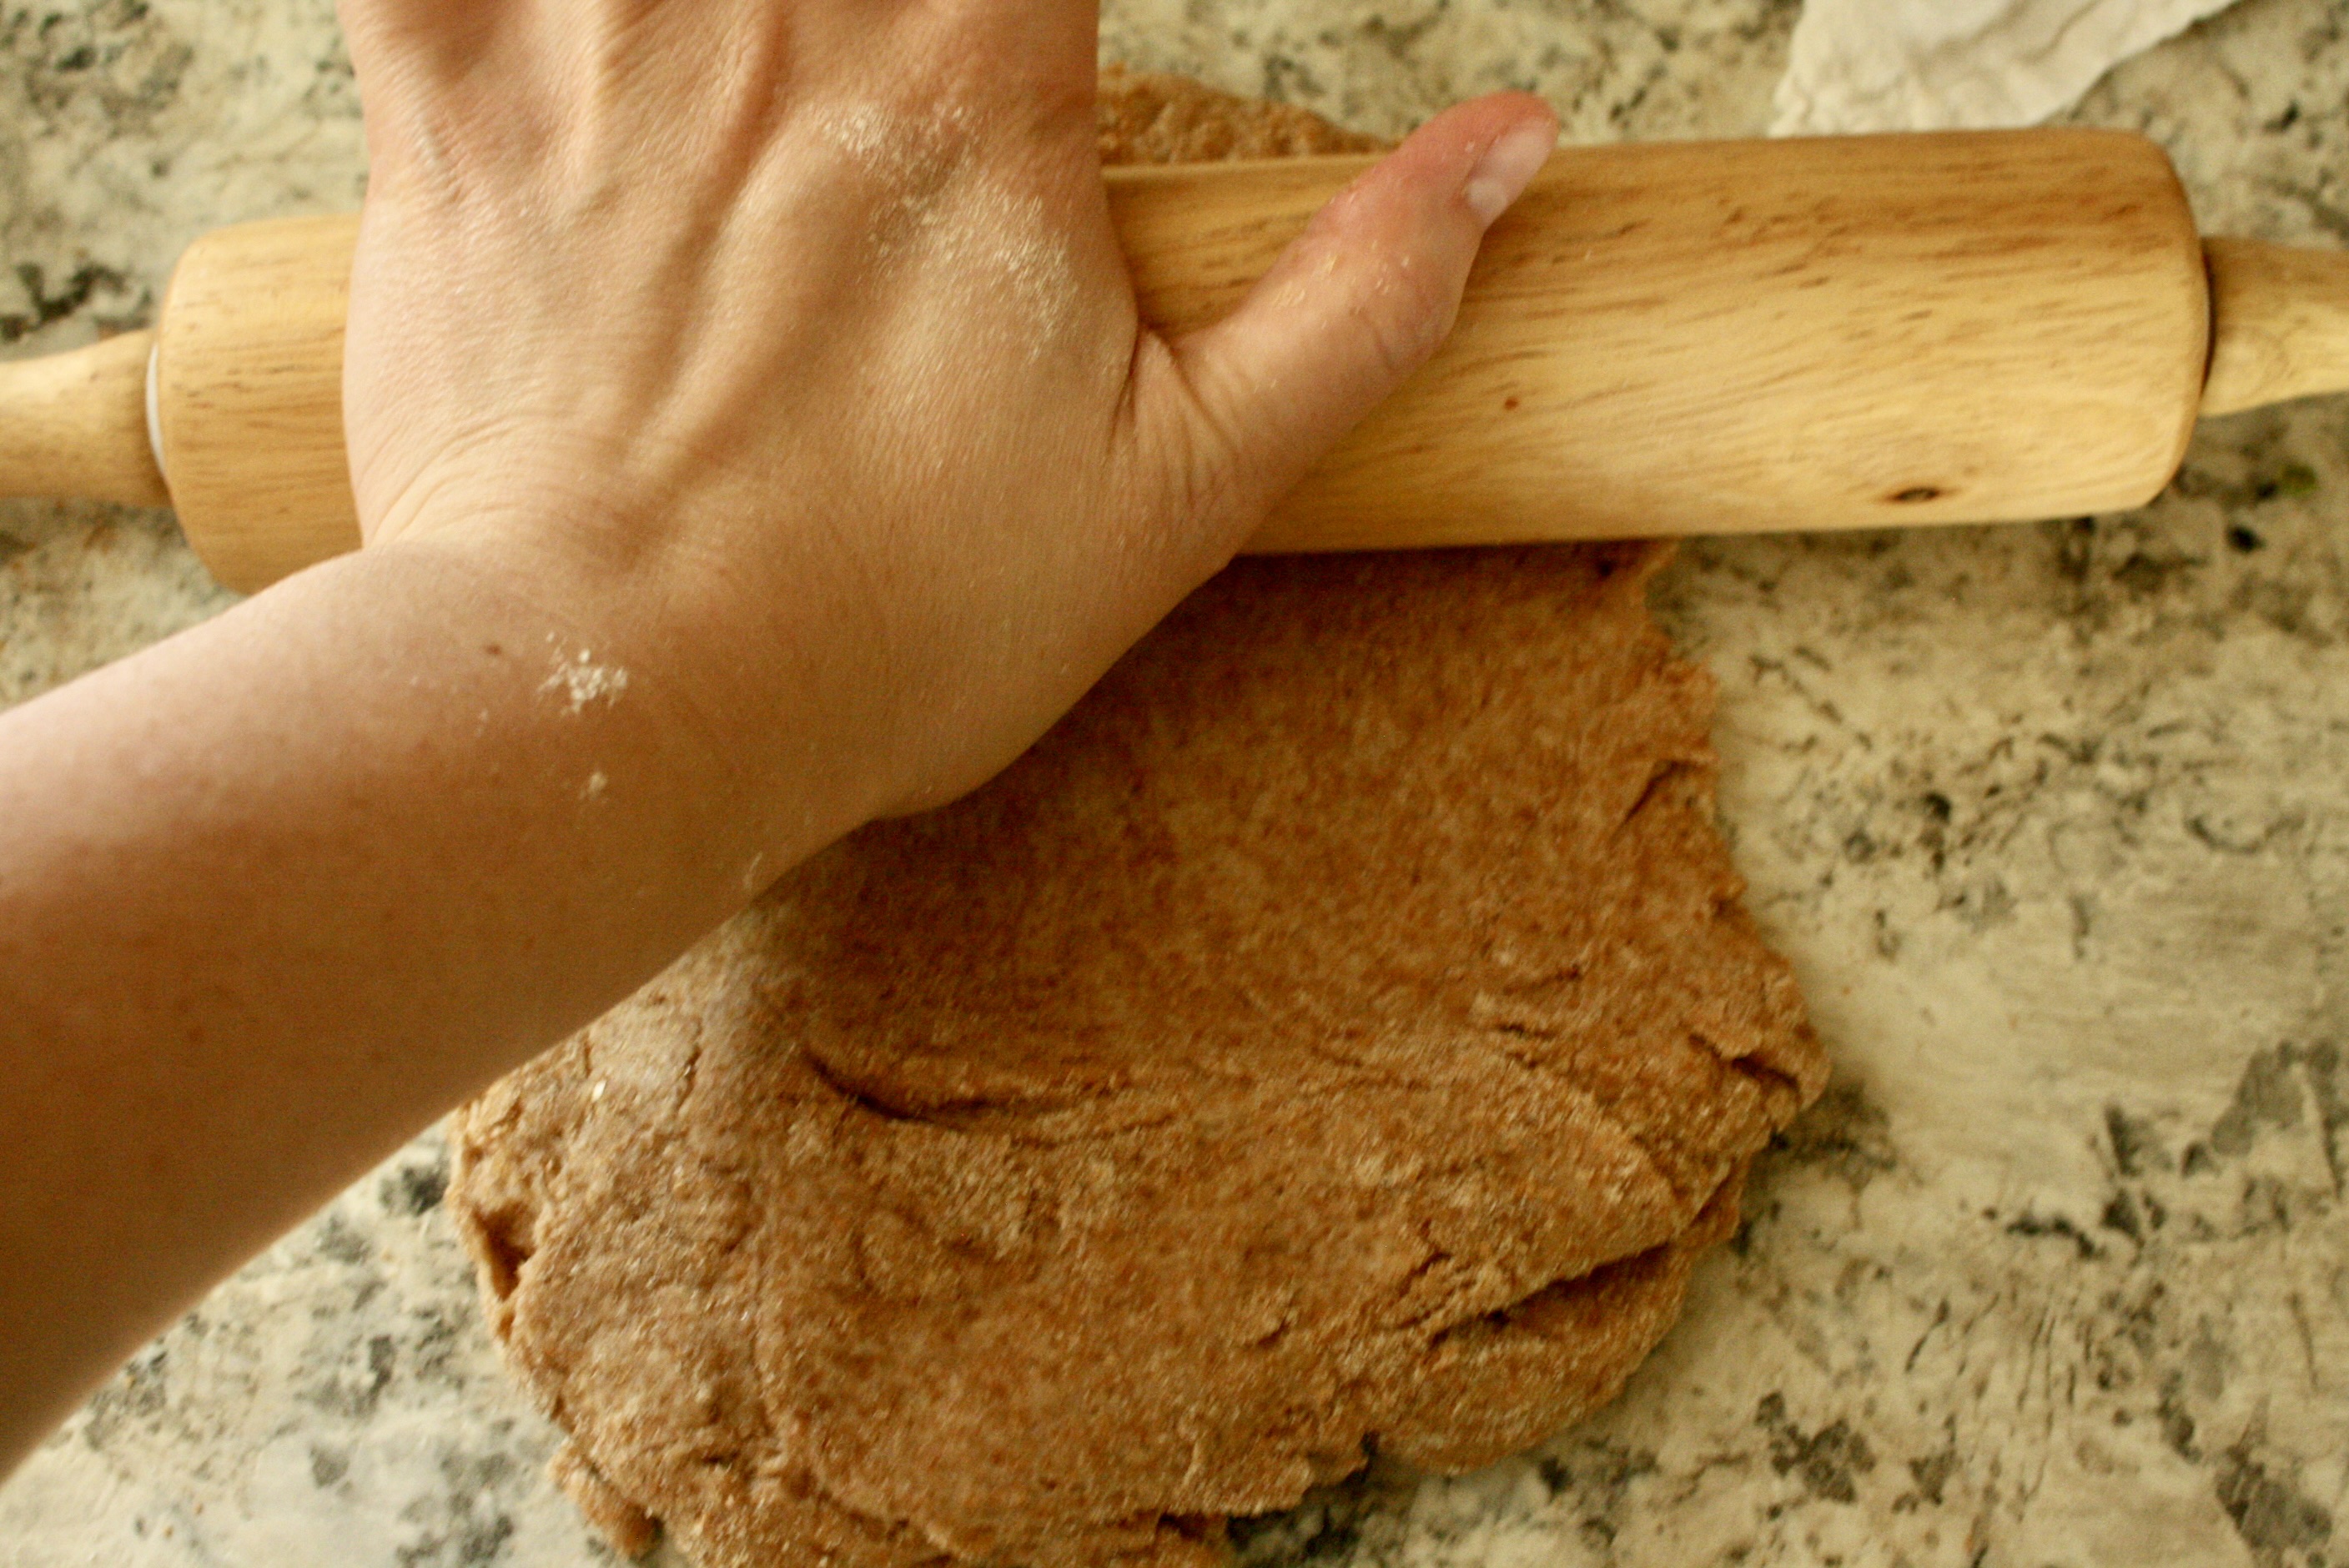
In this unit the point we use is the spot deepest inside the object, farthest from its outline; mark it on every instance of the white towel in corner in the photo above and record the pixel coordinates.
(1930, 65)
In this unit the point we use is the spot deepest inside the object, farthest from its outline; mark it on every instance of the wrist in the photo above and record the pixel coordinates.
(628, 653)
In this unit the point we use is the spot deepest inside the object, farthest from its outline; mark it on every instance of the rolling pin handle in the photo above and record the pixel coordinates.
(2279, 324)
(76, 424)
(155, 412)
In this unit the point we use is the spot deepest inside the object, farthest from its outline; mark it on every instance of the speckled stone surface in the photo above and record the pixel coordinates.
(2054, 820)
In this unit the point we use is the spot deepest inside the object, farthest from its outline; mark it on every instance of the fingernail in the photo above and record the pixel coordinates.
(1501, 176)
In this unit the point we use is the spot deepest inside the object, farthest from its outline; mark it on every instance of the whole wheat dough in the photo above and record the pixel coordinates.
(1342, 1030)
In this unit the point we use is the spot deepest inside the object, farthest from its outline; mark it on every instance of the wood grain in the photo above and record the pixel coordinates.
(76, 424)
(1733, 337)
(250, 378)
(2280, 324)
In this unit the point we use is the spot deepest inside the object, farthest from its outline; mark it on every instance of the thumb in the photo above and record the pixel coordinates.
(1356, 302)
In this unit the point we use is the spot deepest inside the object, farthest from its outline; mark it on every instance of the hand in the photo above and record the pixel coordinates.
(788, 349)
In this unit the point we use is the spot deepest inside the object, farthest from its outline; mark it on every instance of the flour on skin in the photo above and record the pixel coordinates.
(580, 680)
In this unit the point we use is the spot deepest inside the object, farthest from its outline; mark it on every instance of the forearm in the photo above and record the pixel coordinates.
(278, 891)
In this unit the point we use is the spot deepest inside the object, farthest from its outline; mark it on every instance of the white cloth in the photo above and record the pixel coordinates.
(1930, 65)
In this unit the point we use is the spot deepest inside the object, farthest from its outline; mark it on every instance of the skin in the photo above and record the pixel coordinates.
(753, 436)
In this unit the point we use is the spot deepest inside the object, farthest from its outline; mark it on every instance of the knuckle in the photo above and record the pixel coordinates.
(1402, 336)
(1208, 463)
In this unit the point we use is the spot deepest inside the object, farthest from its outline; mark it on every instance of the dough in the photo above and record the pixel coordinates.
(1148, 119)
(1342, 1030)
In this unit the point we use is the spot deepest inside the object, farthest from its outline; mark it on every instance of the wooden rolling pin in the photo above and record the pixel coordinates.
(1682, 338)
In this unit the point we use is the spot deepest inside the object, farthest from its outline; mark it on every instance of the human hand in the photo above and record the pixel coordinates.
(790, 349)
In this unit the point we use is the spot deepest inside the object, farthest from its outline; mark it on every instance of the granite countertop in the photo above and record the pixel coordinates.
(2053, 820)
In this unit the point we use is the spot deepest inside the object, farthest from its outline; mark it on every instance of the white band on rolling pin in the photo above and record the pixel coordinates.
(155, 411)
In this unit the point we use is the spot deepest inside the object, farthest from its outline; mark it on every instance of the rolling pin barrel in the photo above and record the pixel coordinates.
(1678, 339)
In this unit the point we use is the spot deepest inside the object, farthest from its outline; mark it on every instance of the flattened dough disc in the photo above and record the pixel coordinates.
(1340, 1030)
